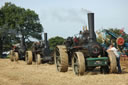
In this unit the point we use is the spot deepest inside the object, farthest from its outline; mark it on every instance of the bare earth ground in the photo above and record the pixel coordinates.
(13, 73)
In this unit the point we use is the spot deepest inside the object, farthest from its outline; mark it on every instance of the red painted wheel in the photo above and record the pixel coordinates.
(120, 41)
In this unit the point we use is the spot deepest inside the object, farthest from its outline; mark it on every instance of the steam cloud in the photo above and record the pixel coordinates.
(86, 11)
(65, 15)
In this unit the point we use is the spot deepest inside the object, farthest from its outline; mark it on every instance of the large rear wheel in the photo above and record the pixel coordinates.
(38, 59)
(12, 55)
(61, 58)
(113, 62)
(16, 56)
(78, 63)
(28, 57)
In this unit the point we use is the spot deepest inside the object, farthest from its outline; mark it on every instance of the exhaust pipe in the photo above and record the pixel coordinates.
(91, 27)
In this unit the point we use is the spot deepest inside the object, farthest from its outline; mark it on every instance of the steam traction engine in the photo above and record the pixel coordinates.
(40, 52)
(84, 55)
(18, 51)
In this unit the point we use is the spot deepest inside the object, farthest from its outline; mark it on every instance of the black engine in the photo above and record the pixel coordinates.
(86, 40)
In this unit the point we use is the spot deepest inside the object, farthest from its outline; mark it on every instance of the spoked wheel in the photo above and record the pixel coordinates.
(28, 57)
(61, 58)
(16, 56)
(78, 63)
(113, 62)
(58, 61)
(12, 55)
(38, 59)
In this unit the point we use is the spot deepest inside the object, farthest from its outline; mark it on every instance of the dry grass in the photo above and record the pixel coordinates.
(12, 73)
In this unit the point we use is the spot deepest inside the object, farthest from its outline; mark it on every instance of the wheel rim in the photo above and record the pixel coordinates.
(29, 57)
(76, 65)
(12, 55)
(16, 56)
(58, 60)
(113, 62)
(61, 58)
(38, 61)
(26, 57)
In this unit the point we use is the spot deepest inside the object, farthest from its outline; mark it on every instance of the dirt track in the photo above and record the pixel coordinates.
(13, 73)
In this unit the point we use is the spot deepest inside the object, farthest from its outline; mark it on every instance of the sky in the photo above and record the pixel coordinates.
(67, 17)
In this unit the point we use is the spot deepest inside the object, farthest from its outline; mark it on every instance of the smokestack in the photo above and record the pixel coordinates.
(45, 40)
(45, 36)
(91, 27)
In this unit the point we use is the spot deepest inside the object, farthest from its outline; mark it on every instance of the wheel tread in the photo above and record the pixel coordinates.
(113, 62)
(64, 58)
(81, 61)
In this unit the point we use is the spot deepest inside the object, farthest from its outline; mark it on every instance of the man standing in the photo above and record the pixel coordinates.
(112, 48)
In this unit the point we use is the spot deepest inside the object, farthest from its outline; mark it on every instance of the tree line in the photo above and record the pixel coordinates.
(19, 24)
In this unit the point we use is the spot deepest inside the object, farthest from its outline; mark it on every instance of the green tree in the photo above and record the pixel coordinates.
(19, 23)
(3, 33)
(24, 21)
(55, 41)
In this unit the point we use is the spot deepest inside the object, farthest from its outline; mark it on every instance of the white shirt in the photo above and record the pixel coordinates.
(115, 51)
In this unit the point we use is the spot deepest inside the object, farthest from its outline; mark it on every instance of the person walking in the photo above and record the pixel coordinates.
(112, 48)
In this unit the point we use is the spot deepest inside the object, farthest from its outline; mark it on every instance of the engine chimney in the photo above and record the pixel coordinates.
(92, 34)
(45, 40)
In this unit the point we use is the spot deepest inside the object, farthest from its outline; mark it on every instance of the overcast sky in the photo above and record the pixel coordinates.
(66, 17)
